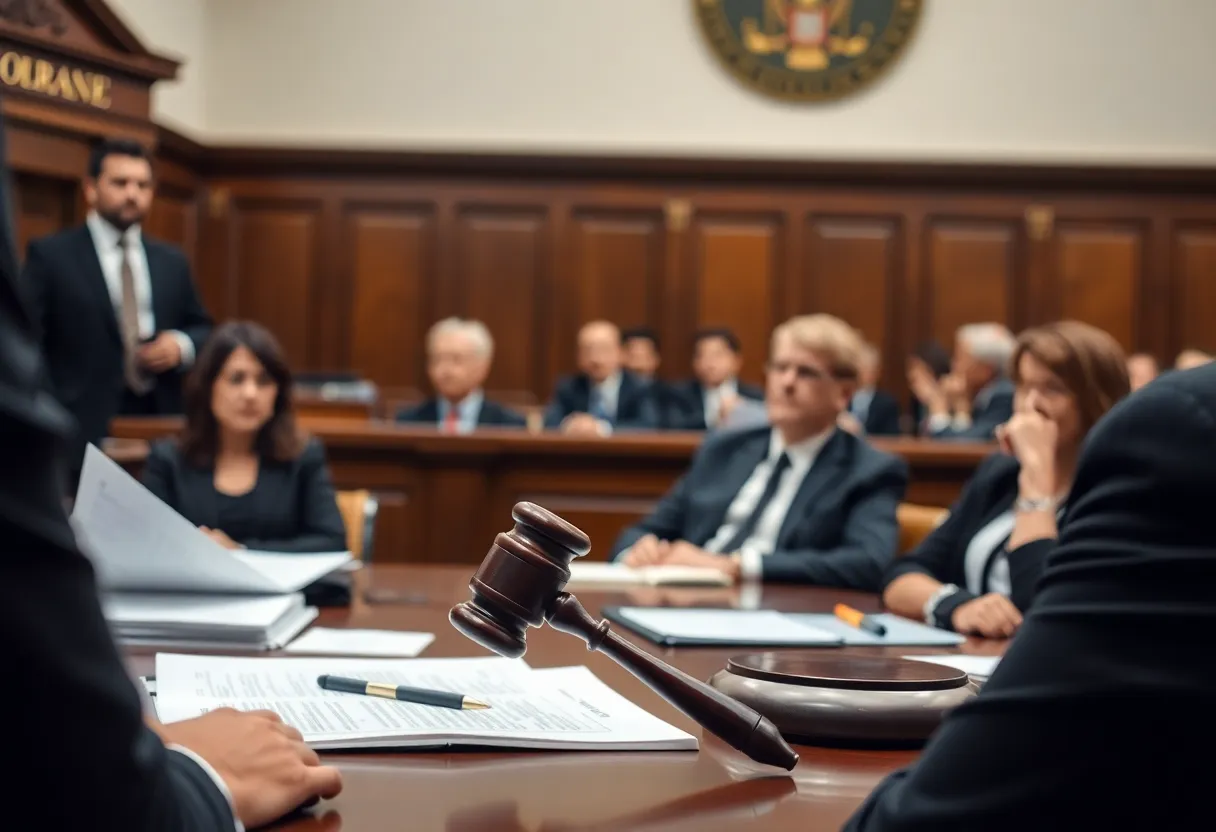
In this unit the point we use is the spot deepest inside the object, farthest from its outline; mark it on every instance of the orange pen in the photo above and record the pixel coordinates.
(858, 619)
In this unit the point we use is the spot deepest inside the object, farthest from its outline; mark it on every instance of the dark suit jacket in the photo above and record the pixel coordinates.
(687, 403)
(841, 528)
(79, 331)
(107, 768)
(293, 502)
(635, 407)
(492, 414)
(992, 407)
(882, 416)
(991, 491)
(1102, 706)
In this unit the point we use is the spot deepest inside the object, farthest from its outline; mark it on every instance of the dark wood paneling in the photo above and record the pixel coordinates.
(616, 266)
(275, 271)
(390, 267)
(502, 267)
(972, 273)
(1194, 249)
(737, 264)
(1099, 272)
(174, 219)
(43, 206)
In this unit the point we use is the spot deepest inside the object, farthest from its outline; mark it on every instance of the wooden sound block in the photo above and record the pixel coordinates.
(841, 699)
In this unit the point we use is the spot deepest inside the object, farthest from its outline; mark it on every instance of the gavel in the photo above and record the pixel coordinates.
(520, 584)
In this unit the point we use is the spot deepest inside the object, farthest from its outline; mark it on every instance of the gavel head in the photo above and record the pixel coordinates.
(522, 573)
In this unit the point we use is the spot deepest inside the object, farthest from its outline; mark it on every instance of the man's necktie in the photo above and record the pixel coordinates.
(137, 381)
(451, 422)
(749, 525)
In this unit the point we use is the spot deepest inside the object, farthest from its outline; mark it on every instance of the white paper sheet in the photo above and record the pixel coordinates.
(327, 641)
(618, 574)
(137, 543)
(555, 708)
(728, 626)
(980, 667)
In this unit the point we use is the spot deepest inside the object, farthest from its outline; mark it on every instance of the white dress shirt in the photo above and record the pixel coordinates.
(215, 778)
(106, 239)
(609, 394)
(763, 540)
(468, 411)
(714, 396)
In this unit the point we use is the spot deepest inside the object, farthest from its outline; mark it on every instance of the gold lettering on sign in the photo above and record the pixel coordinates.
(55, 80)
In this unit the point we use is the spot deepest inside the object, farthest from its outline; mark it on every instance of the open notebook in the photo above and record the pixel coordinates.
(139, 544)
(555, 708)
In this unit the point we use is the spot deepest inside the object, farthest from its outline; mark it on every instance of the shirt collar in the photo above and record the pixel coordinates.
(106, 236)
(802, 454)
(465, 406)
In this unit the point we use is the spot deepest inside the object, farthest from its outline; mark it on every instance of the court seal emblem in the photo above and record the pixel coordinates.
(807, 50)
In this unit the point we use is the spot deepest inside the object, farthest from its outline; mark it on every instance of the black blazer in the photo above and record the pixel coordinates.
(840, 531)
(992, 407)
(1103, 702)
(687, 403)
(636, 407)
(882, 417)
(991, 491)
(79, 332)
(492, 414)
(116, 772)
(293, 502)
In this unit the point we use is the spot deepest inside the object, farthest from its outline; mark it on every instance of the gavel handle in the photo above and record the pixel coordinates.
(728, 719)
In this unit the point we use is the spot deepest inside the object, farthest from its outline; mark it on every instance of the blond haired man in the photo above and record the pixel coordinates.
(796, 499)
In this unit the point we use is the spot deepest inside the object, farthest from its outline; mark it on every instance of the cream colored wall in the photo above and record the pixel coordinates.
(1031, 80)
(176, 29)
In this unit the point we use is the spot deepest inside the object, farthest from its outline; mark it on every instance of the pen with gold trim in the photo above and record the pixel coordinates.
(419, 696)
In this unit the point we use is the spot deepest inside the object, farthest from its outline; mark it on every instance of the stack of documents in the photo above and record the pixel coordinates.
(140, 545)
(564, 708)
(207, 621)
(617, 574)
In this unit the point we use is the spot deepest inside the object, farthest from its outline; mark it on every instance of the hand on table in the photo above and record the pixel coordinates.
(581, 424)
(990, 616)
(161, 353)
(221, 538)
(650, 551)
(264, 762)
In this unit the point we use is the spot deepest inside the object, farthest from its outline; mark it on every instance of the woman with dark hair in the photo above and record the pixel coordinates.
(240, 470)
(977, 571)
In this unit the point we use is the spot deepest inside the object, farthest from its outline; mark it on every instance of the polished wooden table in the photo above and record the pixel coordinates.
(443, 498)
(715, 788)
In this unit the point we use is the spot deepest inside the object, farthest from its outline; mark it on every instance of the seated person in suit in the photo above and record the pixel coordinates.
(927, 358)
(1100, 713)
(1142, 368)
(872, 412)
(458, 356)
(708, 398)
(239, 470)
(799, 501)
(976, 573)
(604, 397)
(640, 347)
(969, 403)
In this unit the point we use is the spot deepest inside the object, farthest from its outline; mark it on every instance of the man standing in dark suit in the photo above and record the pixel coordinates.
(604, 397)
(458, 355)
(1099, 716)
(798, 501)
(117, 314)
(89, 757)
(707, 400)
(875, 412)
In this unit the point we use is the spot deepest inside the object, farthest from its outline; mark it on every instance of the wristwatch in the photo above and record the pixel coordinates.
(1023, 504)
(930, 609)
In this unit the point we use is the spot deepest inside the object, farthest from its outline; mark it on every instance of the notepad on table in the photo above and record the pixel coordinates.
(618, 574)
(689, 627)
(566, 708)
(327, 641)
(139, 544)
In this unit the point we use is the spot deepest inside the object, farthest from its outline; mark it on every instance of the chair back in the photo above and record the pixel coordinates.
(915, 523)
(358, 509)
